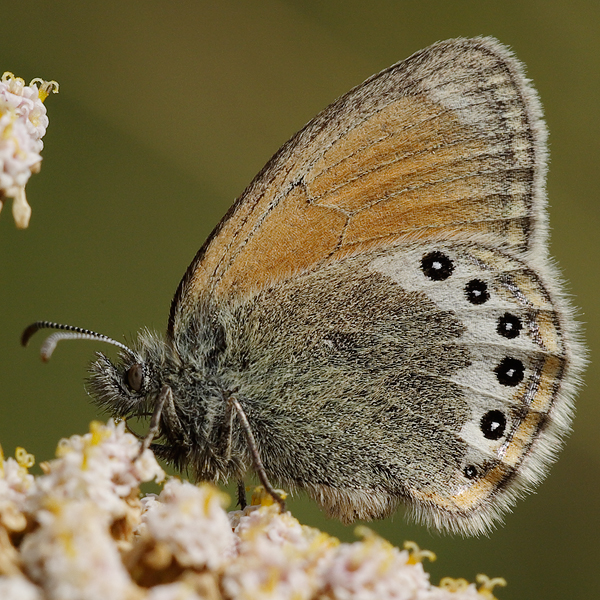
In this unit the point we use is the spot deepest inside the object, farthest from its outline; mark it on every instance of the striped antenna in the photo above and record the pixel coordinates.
(67, 332)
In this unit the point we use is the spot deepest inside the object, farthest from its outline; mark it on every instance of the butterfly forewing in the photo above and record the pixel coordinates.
(446, 143)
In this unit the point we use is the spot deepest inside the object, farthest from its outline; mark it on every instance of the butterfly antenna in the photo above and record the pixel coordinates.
(68, 332)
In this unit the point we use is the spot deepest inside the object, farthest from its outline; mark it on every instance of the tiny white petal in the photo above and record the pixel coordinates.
(23, 123)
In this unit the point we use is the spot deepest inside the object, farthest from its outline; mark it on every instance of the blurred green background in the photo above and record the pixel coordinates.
(167, 110)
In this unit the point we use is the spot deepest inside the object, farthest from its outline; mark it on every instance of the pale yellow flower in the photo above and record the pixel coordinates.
(23, 123)
(80, 531)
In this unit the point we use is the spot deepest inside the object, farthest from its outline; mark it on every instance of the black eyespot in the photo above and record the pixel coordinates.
(477, 292)
(135, 377)
(510, 372)
(437, 266)
(470, 472)
(493, 424)
(509, 326)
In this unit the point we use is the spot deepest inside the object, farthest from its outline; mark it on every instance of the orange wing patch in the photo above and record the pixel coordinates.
(420, 151)
(294, 237)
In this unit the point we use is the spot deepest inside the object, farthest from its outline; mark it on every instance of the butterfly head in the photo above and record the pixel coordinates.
(129, 387)
(125, 388)
(158, 371)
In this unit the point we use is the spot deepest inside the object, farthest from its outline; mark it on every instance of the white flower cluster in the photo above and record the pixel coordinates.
(23, 124)
(79, 531)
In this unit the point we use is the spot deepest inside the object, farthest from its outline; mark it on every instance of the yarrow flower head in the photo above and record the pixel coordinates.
(80, 531)
(23, 123)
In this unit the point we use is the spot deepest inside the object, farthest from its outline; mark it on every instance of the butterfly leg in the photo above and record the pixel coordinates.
(230, 415)
(241, 494)
(241, 487)
(258, 465)
(163, 404)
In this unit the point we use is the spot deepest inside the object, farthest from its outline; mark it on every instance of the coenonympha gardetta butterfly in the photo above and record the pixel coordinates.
(376, 319)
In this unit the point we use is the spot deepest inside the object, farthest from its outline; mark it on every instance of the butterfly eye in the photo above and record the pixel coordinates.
(135, 377)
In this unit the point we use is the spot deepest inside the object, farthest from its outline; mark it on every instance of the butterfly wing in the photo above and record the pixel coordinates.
(516, 387)
(448, 143)
(430, 176)
(381, 378)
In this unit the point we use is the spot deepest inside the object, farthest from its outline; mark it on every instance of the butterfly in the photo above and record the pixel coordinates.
(376, 319)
